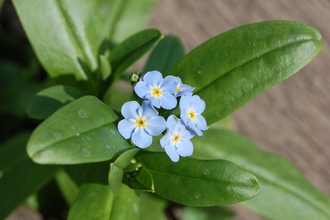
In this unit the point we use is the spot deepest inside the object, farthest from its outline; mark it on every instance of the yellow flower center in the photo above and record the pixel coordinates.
(156, 92)
(176, 138)
(177, 89)
(140, 122)
(192, 115)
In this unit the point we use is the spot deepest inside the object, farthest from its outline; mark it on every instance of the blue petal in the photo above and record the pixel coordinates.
(141, 138)
(184, 116)
(187, 134)
(201, 122)
(142, 89)
(130, 109)
(185, 90)
(153, 78)
(199, 104)
(165, 139)
(170, 150)
(185, 103)
(194, 128)
(169, 85)
(126, 127)
(155, 126)
(171, 121)
(168, 101)
(154, 101)
(148, 110)
(185, 148)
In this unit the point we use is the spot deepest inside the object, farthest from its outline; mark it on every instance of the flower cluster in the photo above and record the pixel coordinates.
(140, 123)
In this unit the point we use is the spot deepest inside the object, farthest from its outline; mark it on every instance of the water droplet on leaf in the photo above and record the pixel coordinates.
(135, 207)
(72, 127)
(107, 146)
(197, 195)
(89, 138)
(82, 114)
(86, 153)
(57, 135)
(112, 131)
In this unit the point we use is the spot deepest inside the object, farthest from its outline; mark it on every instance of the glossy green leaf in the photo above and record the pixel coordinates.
(165, 55)
(133, 48)
(105, 67)
(198, 182)
(140, 179)
(19, 176)
(80, 132)
(284, 192)
(96, 200)
(125, 18)
(68, 48)
(231, 69)
(49, 100)
(207, 213)
(116, 173)
(76, 172)
(152, 207)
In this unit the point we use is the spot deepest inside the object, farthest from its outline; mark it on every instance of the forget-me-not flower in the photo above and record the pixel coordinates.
(176, 141)
(140, 123)
(191, 108)
(158, 90)
(181, 89)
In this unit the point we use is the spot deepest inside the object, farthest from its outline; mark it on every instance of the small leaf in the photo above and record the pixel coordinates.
(125, 158)
(96, 200)
(19, 176)
(284, 192)
(197, 182)
(166, 54)
(141, 179)
(125, 18)
(229, 70)
(80, 132)
(105, 67)
(129, 51)
(68, 48)
(49, 100)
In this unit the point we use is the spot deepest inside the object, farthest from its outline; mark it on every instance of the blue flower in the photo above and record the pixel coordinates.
(176, 141)
(158, 90)
(140, 123)
(181, 89)
(191, 108)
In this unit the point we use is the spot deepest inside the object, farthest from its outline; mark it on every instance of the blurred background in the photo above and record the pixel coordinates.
(291, 119)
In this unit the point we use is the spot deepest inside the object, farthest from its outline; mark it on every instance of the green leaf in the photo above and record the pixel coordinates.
(68, 48)
(105, 67)
(284, 192)
(96, 200)
(129, 51)
(229, 70)
(125, 18)
(140, 179)
(207, 213)
(117, 169)
(19, 176)
(165, 55)
(49, 100)
(198, 183)
(152, 207)
(80, 132)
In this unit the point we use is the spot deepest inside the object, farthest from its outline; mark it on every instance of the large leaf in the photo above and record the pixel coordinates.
(129, 51)
(123, 18)
(19, 176)
(207, 213)
(231, 69)
(198, 182)
(284, 192)
(96, 200)
(165, 55)
(49, 100)
(66, 36)
(80, 132)
(152, 207)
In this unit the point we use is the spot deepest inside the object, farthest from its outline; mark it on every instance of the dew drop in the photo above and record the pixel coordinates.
(86, 153)
(129, 199)
(107, 146)
(112, 131)
(72, 127)
(82, 114)
(89, 138)
(57, 135)
(218, 114)
(135, 207)
(197, 195)
(206, 171)
(254, 44)
(77, 134)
